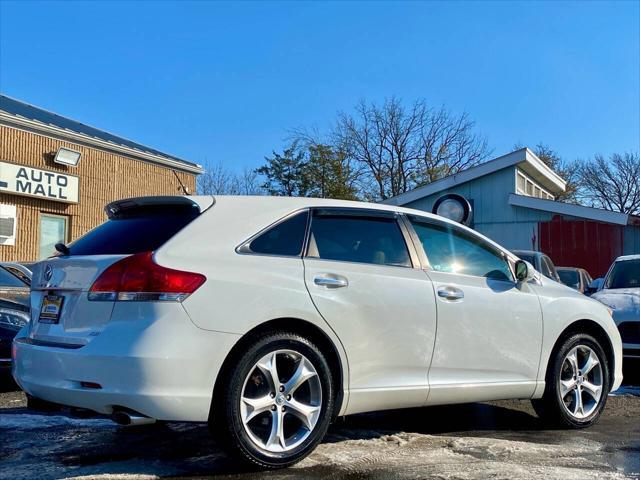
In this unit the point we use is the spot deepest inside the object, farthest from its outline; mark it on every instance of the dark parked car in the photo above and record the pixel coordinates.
(540, 262)
(15, 285)
(576, 278)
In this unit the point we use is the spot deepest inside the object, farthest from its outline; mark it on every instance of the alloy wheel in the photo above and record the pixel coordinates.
(281, 401)
(581, 382)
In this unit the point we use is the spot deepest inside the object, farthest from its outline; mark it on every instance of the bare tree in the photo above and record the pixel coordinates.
(248, 183)
(399, 148)
(218, 180)
(612, 184)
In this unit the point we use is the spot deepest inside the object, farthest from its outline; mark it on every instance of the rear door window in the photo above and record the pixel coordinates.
(357, 238)
(136, 230)
(570, 278)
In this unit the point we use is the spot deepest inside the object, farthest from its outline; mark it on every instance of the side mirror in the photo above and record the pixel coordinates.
(524, 271)
(595, 286)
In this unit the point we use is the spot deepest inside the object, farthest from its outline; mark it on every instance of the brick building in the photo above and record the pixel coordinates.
(45, 198)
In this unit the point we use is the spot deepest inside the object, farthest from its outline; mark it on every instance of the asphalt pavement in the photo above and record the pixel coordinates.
(484, 440)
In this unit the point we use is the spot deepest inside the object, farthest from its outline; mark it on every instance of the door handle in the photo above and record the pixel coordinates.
(331, 281)
(450, 293)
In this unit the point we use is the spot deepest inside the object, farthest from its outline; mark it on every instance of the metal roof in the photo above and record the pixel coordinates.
(22, 110)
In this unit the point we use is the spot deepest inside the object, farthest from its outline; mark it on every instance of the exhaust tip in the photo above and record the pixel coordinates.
(121, 418)
(124, 418)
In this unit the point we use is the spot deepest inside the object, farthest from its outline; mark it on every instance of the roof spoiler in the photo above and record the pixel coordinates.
(113, 209)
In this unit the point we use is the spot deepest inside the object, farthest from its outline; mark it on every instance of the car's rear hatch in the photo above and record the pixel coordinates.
(62, 312)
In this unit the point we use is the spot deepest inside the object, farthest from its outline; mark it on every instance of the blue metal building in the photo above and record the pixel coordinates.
(513, 202)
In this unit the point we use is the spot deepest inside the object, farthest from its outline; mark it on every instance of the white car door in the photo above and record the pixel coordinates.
(361, 276)
(489, 333)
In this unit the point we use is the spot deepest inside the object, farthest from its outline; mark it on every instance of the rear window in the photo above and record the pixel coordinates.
(527, 258)
(548, 268)
(570, 278)
(135, 230)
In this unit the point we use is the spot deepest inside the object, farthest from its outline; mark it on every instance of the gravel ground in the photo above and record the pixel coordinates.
(489, 440)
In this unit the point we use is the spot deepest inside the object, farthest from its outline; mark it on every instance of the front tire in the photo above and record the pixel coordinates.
(277, 402)
(577, 384)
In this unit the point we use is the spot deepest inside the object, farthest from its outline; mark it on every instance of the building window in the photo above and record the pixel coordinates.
(53, 229)
(526, 186)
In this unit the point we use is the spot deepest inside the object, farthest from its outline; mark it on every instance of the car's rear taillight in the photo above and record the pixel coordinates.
(138, 278)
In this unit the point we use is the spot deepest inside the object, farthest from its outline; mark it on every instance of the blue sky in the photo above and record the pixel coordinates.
(227, 81)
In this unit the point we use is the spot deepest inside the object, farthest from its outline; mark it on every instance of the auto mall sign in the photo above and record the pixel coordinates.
(34, 182)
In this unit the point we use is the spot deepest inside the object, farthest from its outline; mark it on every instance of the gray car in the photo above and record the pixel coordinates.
(576, 278)
(15, 284)
(620, 291)
(540, 261)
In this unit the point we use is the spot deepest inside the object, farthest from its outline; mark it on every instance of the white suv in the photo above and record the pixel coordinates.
(269, 317)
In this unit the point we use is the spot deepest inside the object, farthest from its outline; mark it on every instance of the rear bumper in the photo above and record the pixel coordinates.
(163, 368)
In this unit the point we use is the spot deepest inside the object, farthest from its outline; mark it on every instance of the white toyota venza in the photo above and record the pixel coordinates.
(269, 317)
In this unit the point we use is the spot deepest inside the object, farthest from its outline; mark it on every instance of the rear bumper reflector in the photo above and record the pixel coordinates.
(93, 385)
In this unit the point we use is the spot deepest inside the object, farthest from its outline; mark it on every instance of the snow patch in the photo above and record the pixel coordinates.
(626, 390)
(116, 476)
(27, 421)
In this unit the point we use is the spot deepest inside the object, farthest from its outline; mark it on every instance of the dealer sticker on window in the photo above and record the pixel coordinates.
(51, 307)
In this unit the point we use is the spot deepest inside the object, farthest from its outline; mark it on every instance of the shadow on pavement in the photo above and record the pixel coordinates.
(6, 383)
(437, 420)
(631, 372)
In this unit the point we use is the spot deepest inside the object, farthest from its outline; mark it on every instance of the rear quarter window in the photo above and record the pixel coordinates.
(286, 238)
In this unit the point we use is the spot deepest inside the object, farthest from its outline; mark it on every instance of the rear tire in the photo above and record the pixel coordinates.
(277, 402)
(577, 384)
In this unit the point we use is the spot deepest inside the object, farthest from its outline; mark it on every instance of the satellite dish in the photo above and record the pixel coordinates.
(454, 207)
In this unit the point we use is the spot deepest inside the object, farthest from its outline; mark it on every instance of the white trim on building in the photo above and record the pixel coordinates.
(524, 158)
(569, 209)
